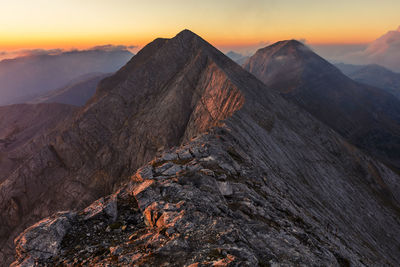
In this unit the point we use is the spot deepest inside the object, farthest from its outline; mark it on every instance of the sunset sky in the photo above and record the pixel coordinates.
(225, 23)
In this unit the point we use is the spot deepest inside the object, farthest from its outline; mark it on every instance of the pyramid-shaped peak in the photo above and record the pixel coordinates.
(293, 44)
(187, 39)
(284, 46)
(187, 35)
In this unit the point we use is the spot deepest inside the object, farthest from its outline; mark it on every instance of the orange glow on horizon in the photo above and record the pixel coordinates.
(88, 42)
(68, 24)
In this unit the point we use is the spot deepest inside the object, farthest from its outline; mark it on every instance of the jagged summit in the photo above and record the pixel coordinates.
(181, 48)
(187, 34)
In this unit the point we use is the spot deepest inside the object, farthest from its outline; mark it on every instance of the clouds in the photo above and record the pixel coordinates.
(384, 51)
(110, 47)
(29, 52)
(44, 52)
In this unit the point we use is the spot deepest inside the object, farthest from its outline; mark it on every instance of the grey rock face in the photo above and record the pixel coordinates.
(42, 240)
(102, 207)
(246, 178)
(225, 188)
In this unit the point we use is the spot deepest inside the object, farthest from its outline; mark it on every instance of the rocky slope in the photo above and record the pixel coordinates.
(374, 75)
(75, 93)
(366, 116)
(250, 179)
(21, 123)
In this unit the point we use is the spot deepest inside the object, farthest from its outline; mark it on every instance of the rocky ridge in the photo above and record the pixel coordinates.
(251, 179)
(132, 115)
(207, 203)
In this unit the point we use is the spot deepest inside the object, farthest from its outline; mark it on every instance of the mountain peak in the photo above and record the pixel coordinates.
(315, 84)
(398, 29)
(293, 42)
(285, 46)
(283, 64)
(290, 43)
(187, 35)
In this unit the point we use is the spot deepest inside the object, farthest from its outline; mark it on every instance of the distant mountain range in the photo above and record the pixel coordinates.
(27, 77)
(76, 92)
(374, 75)
(184, 157)
(366, 116)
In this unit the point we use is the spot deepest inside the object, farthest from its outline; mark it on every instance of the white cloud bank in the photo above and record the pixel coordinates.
(384, 51)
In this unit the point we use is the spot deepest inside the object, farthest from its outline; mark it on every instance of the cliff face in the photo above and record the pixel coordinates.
(366, 116)
(250, 178)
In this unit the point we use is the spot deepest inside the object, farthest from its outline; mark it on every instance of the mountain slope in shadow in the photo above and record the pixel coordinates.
(366, 116)
(373, 75)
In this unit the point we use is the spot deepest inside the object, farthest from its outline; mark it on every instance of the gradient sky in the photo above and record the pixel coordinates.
(225, 23)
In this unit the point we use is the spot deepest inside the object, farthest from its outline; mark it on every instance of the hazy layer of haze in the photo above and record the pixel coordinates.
(40, 71)
(57, 51)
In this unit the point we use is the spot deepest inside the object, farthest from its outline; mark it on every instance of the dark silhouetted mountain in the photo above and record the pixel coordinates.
(208, 165)
(366, 116)
(374, 75)
(34, 75)
(75, 93)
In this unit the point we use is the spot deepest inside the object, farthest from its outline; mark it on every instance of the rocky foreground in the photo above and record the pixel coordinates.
(207, 204)
(241, 177)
